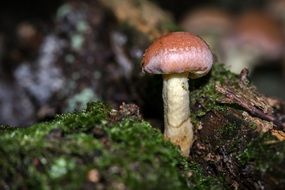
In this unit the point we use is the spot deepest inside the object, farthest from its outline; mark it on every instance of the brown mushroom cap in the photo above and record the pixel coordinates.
(276, 8)
(258, 30)
(207, 20)
(178, 52)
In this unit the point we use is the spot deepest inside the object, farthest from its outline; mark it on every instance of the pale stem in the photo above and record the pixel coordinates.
(237, 60)
(178, 128)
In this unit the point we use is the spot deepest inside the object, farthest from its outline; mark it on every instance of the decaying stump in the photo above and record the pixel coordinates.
(240, 133)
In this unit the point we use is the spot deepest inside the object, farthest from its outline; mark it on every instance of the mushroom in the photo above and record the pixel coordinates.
(276, 9)
(255, 36)
(211, 23)
(177, 56)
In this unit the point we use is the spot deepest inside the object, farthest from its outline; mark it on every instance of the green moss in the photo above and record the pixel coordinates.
(59, 154)
(265, 153)
(228, 131)
(203, 95)
(200, 181)
(141, 165)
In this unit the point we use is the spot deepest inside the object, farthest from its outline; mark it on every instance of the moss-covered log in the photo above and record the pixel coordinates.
(99, 148)
(116, 149)
(239, 132)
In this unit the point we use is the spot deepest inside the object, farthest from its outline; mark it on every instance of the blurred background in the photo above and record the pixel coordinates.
(57, 55)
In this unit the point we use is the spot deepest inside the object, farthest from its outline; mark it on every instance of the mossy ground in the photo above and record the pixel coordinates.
(124, 154)
(97, 148)
(203, 96)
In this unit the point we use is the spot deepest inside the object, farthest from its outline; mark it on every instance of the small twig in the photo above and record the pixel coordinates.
(249, 107)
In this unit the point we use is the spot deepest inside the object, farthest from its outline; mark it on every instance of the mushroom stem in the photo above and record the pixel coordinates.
(237, 60)
(178, 128)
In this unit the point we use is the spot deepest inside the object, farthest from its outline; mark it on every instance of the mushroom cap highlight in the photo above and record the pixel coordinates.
(178, 52)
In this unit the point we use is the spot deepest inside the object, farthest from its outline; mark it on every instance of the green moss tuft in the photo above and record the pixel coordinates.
(200, 181)
(60, 154)
(203, 95)
(265, 152)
